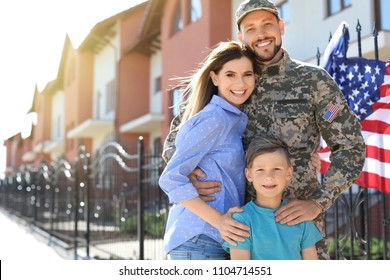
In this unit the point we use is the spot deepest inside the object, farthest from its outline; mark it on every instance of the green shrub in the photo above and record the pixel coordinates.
(360, 253)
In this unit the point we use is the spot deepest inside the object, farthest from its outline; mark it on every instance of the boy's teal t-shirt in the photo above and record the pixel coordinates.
(270, 240)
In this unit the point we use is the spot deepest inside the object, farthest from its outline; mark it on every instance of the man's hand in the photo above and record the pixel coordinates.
(204, 189)
(231, 230)
(297, 211)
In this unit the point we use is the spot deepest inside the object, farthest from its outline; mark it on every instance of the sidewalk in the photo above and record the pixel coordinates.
(20, 242)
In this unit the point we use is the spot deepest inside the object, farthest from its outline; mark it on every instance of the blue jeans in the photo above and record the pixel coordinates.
(200, 247)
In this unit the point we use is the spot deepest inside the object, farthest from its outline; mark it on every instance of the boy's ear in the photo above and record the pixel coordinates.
(248, 175)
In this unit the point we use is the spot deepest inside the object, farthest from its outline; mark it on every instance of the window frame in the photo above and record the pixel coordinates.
(177, 23)
(379, 21)
(281, 11)
(191, 6)
(342, 3)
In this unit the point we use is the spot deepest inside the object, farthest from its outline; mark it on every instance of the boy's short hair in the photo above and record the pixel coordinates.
(265, 144)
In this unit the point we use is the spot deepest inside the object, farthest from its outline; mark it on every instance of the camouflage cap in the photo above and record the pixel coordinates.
(249, 6)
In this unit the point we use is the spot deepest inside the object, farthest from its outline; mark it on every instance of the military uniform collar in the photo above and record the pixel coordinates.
(276, 68)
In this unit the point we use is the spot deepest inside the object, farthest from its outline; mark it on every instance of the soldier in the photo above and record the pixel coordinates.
(297, 103)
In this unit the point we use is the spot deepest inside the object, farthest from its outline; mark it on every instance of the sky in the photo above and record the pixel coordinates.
(32, 36)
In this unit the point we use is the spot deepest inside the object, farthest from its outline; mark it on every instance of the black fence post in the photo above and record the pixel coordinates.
(75, 206)
(365, 208)
(318, 55)
(375, 34)
(385, 221)
(140, 199)
(86, 169)
(345, 42)
(359, 38)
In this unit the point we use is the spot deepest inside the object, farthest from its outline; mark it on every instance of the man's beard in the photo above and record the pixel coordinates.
(260, 58)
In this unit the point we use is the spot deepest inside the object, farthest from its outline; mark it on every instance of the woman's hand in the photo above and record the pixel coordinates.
(231, 230)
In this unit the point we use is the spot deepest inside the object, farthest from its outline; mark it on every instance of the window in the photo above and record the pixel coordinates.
(384, 19)
(335, 6)
(157, 147)
(110, 96)
(178, 21)
(157, 85)
(176, 99)
(98, 100)
(284, 11)
(196, 10)
(58, 128)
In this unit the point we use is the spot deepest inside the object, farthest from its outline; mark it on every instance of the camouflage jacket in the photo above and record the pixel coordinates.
(299, 103)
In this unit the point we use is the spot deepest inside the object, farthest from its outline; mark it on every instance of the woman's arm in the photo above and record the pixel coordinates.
(229, 228)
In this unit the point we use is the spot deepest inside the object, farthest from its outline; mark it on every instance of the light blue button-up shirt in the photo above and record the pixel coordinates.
(212, 141)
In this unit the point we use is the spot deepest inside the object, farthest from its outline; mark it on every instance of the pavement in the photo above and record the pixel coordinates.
(21, 242)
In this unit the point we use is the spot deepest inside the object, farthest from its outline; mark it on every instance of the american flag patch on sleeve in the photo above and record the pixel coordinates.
(331, 113)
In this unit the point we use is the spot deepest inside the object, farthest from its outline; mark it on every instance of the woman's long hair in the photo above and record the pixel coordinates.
(199, 88)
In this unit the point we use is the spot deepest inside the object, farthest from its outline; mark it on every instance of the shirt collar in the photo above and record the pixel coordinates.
(219, 101)
(278, 67)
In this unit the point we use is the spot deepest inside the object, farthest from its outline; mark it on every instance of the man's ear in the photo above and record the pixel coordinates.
(281, 27)
(290, 173)
(239, 36)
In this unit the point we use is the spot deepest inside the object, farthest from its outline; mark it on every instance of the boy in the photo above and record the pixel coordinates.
(269, 171)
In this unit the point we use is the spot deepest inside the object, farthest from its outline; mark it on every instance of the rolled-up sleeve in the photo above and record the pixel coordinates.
(195, 139)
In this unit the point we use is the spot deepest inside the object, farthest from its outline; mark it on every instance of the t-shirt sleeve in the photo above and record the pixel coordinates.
(311, 235)
(247, 244)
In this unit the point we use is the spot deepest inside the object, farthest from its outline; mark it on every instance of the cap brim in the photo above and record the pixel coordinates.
(238, 21)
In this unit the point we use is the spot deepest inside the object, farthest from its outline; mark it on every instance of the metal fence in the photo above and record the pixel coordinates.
(105, 206)
(109, 206)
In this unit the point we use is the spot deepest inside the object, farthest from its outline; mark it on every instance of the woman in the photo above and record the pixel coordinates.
(209, 138)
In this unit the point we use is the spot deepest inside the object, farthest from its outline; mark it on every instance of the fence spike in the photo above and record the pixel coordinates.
(318, 55)
(358, 30)
(375, 34)
(345, 41)
(358, 26)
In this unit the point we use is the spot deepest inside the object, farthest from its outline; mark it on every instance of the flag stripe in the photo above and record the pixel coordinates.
(376, 126)
(377, 153)
(382, 141)
(374, 176)
(372, 164)
(382, 113)
(371, 180)
(377, 167)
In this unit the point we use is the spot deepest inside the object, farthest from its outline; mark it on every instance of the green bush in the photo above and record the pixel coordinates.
(376, 249)
(154, 224)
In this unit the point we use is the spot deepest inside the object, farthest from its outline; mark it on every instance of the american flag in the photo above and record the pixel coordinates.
(365, 84)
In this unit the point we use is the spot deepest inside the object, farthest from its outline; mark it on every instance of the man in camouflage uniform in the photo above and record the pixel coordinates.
(297, 103)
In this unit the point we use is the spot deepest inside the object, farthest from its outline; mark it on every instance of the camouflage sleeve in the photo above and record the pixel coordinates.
(341, 130)
(169, 143)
